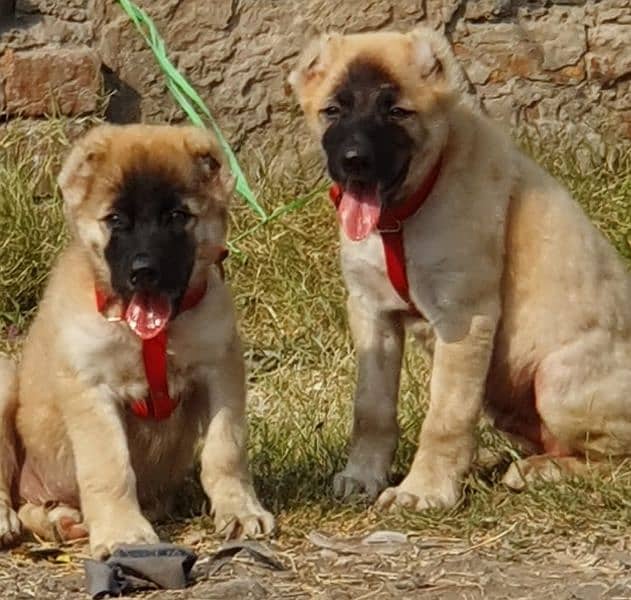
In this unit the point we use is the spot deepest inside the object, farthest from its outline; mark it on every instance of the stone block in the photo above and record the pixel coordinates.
(487, 9)
(609, 56)
(68, 10)
(40, 82)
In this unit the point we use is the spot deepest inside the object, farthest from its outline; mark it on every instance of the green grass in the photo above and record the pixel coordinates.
(290, 299)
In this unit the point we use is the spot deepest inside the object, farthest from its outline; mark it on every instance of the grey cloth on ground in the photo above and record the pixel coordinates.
(139, 567)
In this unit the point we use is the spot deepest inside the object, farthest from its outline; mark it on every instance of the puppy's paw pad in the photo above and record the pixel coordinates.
(10, 526)
(349, 483)
(68, 523)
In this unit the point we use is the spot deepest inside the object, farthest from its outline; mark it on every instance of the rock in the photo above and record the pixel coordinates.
(68, 10)
(610, 11)
(560, 37)
(487, 9)
(623, 96)
(441, 12)
(41, 82)
(499, 52)
(241, 587)
(588, 591)
(31, 32)
(609, 56)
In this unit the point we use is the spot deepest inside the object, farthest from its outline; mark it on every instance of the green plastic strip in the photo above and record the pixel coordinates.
(190, 101)
(188, 98)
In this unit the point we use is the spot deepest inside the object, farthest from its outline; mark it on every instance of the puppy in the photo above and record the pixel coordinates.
(134, 357)
(446, 224)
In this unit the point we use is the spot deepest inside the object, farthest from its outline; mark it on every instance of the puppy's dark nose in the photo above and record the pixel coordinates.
(143, 271)
(357, 162)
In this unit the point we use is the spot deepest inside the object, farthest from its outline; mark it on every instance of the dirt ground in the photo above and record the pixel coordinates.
(496, 567)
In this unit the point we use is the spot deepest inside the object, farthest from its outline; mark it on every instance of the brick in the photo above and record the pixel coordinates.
(41, 82)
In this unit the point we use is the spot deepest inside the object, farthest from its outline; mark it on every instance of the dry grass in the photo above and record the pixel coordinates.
(290, 298)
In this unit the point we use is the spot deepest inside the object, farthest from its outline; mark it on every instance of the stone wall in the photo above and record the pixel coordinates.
(548, 63)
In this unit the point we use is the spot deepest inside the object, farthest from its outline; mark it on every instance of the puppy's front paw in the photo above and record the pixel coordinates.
(241, 515)
(416, 493)
(106, 535)
(355, 480)
(10, 527)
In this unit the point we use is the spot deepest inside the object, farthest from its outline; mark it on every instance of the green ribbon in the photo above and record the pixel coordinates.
(186, 96)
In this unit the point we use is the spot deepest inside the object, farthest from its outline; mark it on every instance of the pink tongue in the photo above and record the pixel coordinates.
(147, 315)
(359, 213)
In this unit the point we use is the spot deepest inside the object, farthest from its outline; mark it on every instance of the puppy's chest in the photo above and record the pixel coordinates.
(365, 274)
(120, 364)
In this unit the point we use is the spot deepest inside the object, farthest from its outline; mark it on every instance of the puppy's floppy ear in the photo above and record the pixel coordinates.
(433, 58)
(80, 165)
(314, 61)
(210, 161)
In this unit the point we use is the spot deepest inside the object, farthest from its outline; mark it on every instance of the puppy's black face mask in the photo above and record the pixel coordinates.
(151, 251)
(367, 146)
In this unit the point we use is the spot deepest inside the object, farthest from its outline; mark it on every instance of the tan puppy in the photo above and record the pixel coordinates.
(445, 222)
(134, 357)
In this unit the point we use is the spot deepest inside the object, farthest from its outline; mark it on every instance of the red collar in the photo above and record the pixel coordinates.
(390, 228)
(158, 405)
(105, 301)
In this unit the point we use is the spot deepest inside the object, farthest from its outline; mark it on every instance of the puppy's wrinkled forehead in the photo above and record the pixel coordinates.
(418, 64)
(146, 164)
(144, 188)
(364, 84)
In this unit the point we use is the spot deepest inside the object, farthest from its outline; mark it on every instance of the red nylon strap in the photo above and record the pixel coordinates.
(390, 228)
(394, 252)
(159, 405)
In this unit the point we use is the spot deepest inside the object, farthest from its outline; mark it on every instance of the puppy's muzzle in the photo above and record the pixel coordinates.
(144, 272)
(357, 163)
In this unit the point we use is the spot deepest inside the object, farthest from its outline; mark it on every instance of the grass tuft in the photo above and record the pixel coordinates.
(290, 298)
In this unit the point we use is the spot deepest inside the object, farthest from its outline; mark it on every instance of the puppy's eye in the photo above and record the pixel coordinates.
(117, 221)
(331, 112)
(396, 112)
(178, 218)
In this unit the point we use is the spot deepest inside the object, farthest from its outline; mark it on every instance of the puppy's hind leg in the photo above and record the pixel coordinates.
(550, 469)
(53, 523)
(582, 396)
(9, 522)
